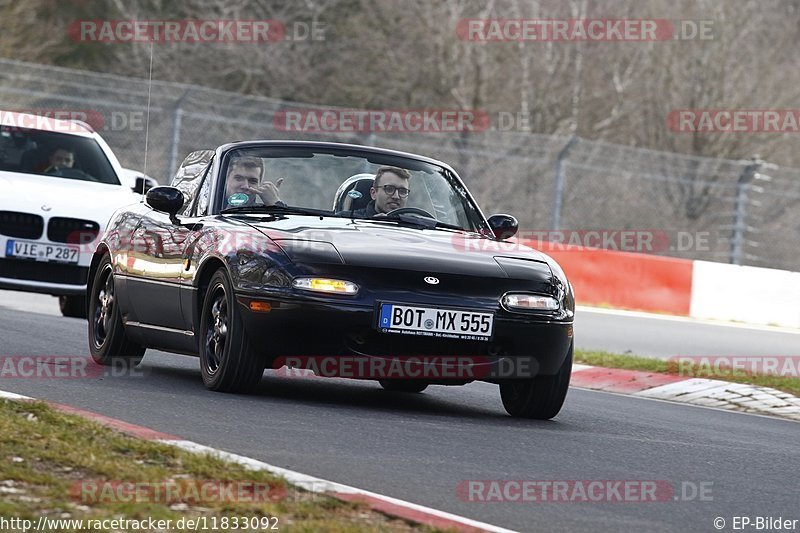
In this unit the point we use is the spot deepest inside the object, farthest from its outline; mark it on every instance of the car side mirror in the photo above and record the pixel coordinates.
(166, 200)
(503, 226)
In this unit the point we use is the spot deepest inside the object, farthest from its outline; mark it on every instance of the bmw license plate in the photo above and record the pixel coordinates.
(41, 251)
(432, 322)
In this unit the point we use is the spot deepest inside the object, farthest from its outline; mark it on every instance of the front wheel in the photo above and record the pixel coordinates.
(227, 361)
(540, 397)
(108, 342)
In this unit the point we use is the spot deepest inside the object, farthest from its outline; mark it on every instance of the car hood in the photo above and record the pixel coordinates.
(64, 197)
(387, 245)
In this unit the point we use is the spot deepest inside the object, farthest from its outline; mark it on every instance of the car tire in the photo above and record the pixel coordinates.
(108, 343)
(403, 385)
(228, 362)
(73, 306)
(540, 397)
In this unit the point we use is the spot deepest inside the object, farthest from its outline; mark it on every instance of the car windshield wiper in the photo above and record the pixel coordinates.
(424, 222)
(282, 209)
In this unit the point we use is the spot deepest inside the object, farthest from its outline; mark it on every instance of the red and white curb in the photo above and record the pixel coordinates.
(378, 502)
(695, 391)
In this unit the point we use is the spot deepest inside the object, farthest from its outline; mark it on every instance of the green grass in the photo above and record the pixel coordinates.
(45, 455)
(693, 370)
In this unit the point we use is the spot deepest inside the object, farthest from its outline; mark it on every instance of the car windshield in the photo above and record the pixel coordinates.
(54, 154)
(342, 182)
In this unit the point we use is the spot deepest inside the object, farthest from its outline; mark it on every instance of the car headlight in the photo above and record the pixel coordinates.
(529, 302)
(336, 286)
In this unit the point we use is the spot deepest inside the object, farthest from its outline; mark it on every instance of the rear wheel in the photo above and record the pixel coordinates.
(540, 397)
(227, 361)
(108, 343)
(73, 306)
(403, 385)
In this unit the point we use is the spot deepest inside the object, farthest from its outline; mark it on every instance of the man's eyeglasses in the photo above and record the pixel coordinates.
(391, 189)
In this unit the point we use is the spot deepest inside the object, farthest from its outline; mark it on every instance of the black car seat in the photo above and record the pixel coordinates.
(34, 160)
(359, 182)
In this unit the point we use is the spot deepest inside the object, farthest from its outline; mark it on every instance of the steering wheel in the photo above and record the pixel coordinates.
(73, 173)
(410, 211)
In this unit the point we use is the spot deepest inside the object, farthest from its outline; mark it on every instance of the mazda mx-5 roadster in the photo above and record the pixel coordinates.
(335, 259)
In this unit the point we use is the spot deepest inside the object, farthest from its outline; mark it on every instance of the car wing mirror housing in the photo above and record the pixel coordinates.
(503, 226)
(165, 199)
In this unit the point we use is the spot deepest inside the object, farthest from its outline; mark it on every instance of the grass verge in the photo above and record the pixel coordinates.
(66, 467)
(696, 368)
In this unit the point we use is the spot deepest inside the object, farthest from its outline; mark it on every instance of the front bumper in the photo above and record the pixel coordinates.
(55, 289)
(46, 277)
(521, 347)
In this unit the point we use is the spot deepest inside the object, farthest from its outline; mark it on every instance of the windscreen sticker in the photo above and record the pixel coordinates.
(238, 199)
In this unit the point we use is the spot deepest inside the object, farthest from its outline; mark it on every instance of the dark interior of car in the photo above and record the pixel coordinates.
(28, 151)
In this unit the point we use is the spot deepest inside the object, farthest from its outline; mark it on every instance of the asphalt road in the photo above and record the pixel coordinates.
(420, 447)
(668, 336)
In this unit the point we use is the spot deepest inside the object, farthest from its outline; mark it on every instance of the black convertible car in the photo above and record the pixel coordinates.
(346, 260)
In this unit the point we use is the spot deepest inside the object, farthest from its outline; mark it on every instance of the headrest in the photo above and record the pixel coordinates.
(360, 183)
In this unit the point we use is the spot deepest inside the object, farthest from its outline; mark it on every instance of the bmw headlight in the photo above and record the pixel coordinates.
(335, 286)
(529, 302)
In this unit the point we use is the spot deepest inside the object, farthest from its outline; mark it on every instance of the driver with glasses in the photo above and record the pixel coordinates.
(389, 191)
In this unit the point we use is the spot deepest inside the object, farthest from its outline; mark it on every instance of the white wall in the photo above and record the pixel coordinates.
(748, 294)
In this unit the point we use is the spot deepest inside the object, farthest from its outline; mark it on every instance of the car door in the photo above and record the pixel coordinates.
(158, 242)
(154, 288)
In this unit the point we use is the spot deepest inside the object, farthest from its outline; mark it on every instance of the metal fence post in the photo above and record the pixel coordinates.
(743, 186)
(558, 194)
(177, 119)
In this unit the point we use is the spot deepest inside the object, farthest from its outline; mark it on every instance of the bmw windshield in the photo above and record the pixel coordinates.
(345, 183)
(54, 154)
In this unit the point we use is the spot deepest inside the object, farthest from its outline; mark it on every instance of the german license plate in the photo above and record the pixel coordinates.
(432, 322)
(42, 251)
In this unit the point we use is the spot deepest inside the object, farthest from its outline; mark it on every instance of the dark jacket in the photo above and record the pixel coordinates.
(365, 212)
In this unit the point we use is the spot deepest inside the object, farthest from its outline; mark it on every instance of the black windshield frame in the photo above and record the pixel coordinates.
(473, 212)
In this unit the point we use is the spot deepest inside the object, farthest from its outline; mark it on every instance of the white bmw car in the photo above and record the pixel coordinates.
(59, 184)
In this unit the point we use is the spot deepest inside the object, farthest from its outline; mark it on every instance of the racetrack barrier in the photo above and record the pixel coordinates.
(699, 289)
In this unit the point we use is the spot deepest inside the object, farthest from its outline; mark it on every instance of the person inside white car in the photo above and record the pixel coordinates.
(62, 163)
(60, 158)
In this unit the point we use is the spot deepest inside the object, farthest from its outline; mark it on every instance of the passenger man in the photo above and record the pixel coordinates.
(243, 183)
